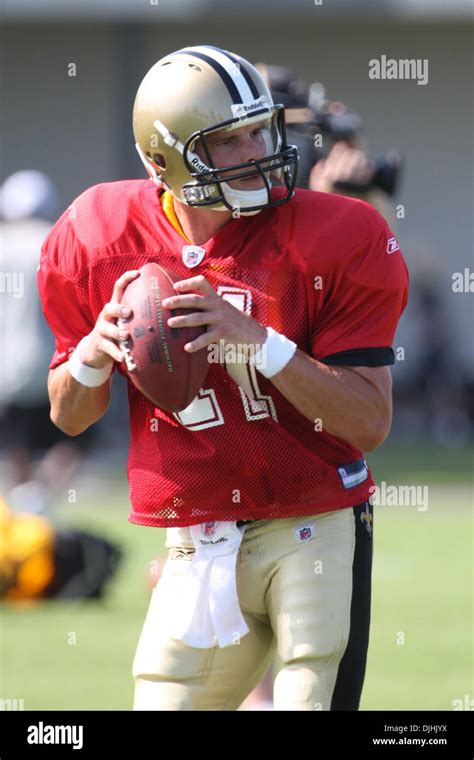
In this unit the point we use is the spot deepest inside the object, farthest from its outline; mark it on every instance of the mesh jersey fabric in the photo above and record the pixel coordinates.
(316, 269)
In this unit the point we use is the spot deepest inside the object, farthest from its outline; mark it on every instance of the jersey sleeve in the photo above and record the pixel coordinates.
(62, 290)
(365, 295)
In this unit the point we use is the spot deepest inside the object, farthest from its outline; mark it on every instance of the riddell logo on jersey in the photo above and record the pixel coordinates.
(392, 245)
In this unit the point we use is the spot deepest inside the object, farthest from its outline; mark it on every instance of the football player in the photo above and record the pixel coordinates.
(261, 482)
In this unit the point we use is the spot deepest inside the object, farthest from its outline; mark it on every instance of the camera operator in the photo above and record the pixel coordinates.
(328, 137)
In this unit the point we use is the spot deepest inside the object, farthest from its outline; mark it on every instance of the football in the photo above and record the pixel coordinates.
(154, 354)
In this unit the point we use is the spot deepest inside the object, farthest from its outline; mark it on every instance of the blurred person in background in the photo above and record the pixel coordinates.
(328, 134)
(38, 560)
(434, 402)
(37, 458)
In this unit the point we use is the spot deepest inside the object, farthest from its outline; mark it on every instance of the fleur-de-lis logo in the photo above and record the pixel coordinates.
(367, 519)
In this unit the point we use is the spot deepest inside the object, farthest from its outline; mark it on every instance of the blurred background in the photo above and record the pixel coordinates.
(74, 575)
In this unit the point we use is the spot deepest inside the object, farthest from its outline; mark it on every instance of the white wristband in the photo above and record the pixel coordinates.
(275, 354)
(91, 377)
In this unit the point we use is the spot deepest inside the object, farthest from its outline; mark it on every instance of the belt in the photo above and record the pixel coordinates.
(244, 522)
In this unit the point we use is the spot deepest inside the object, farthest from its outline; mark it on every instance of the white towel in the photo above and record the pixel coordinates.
(208, 612)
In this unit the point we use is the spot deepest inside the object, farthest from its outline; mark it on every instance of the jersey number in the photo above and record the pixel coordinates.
(204, 411)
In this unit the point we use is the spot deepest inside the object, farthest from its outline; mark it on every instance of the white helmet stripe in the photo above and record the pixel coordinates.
(232, 69)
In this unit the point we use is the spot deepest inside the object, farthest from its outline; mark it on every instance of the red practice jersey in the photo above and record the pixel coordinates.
(324, 270)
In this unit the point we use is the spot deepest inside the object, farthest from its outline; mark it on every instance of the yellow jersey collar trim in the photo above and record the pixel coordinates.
(168, 209)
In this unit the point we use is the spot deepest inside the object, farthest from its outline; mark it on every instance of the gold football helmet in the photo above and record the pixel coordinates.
(198, 90)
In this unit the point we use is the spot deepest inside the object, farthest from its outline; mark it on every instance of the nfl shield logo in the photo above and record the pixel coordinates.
(192, 255)
(209, 528)
(304, 532)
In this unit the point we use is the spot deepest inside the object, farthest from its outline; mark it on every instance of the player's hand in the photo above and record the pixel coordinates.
(101, 347)
(224, 321)
(346, 164)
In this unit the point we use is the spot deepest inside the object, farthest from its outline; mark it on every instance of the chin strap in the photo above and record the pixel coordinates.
(236, 203)
(239, 199)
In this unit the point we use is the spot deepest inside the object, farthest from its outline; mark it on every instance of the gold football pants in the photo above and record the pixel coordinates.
(304, 589)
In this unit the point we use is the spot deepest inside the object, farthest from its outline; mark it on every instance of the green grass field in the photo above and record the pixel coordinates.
(59, 655)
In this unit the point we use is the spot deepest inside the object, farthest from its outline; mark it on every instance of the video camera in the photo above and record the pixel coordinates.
(315, 124)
